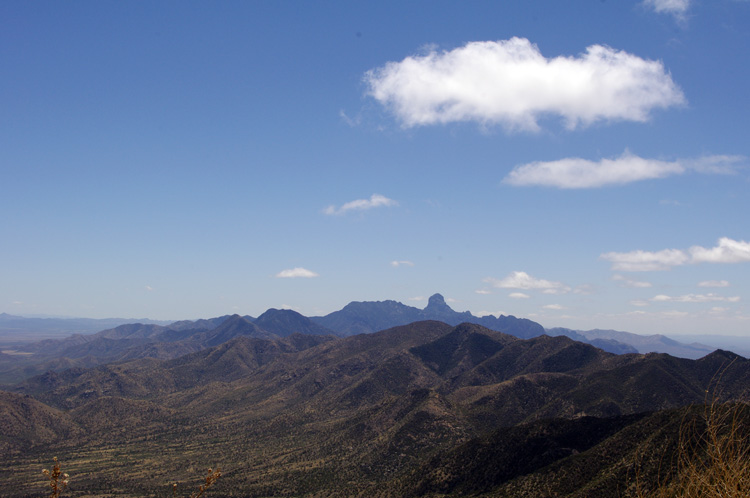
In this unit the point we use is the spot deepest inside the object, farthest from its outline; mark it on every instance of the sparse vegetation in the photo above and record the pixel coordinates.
(58, 481)
(395, 413)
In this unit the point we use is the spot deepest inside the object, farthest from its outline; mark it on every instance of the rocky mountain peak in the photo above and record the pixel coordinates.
(437, 303)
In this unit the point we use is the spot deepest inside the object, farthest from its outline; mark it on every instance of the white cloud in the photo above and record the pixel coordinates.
(149, 288)
(522, 280)
(396, 264)
(639, 302)
(714, 283)
(518, 295)
(646, 261)
(677, 8)
(728, 251)
(573, 173)
(716, 164)
(577, 173)
(511, 83)
(296, 273)
(483, 292)
(417, 298)
(375, 200)
(636, 284)
(695, 298)
(554, 307)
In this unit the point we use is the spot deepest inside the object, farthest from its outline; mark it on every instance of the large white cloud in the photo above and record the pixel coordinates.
(576, 173)
(375, 200)
(727, 251)
(511, 83)
(522, 280)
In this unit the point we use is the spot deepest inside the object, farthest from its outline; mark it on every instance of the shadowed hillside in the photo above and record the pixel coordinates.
(309, 414)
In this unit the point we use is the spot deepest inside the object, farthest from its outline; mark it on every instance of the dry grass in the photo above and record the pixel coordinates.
(713, 456)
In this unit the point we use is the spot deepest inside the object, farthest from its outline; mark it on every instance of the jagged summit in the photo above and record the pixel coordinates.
(437, 304)
(360, 317)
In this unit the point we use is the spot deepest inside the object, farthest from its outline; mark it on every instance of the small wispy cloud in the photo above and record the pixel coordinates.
(674, 314)
(296, 273)
(524, 281)
(670, 202)
(646, 260)
(375, 201)
(714, 283)
(519, 295)
(396, 264)
(352, 122)
(510, 82)
(483, 292)
(578, 173)
(695, 298)
(149, 288)
(636, 284)
(556, 307)
(676, 8)
(726, 251)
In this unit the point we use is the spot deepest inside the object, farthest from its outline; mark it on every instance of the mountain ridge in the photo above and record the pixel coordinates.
(136, 340)
(371, 409)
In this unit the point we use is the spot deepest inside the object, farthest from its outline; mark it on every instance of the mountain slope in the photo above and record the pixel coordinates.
(286, 322)
(366, 414)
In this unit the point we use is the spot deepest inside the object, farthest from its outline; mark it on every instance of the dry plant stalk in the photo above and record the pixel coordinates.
(724, 471)
(57, 480)
(210, 480)
(713, 458)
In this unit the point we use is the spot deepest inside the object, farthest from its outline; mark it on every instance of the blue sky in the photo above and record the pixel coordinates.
(583, 164)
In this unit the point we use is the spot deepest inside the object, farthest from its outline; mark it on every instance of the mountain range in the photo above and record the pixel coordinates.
(424, 409)
(20, 360)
